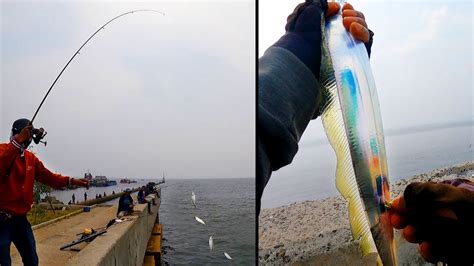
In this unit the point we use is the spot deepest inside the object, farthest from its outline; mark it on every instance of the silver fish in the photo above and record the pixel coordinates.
(211, 243)
(199, 220)
(227, 256)
(193, 198)
(353, 124)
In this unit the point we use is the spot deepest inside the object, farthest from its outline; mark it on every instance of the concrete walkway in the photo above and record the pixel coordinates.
(51, 237)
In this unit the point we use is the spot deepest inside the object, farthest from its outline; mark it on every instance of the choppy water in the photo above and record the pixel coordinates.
(228, 208)
(312, 173)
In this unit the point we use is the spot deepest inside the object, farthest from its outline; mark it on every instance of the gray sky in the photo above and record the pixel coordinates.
(148, 94)
(422, 58)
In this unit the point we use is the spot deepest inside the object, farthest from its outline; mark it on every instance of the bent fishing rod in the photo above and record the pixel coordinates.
(41, 133)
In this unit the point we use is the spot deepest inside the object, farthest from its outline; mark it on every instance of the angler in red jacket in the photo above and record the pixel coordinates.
(19, 168)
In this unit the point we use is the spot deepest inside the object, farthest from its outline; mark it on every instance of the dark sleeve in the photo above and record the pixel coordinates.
(288, 97)
(120, 205)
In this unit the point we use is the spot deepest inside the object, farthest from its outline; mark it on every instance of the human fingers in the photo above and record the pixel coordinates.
(398, 213)
(398, 221)
(352, 13)
(347, 6)
(25, 134)
(359, 32)
(27, 129)
(425, 251)
(333, 8)
(348, 21)
(398, 204)
(84, 183)
(411, 234)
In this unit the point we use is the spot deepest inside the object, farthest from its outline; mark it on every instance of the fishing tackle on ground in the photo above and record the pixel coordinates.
(353, 124)
(39, 135)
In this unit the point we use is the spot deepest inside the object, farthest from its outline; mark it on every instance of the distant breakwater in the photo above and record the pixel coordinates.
(105, 199)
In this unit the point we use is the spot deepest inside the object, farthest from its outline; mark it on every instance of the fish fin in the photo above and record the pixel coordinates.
(333, 123)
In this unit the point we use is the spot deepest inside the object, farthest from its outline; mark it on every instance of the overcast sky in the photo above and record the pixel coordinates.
(422, 58)
(149, 94)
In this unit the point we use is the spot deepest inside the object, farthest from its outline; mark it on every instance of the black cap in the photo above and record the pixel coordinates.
(19, 124)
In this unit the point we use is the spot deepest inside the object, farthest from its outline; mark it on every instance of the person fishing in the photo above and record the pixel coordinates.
(437, 216)
(19, 168)
(141, 199)
(125, 206)
(289, 92)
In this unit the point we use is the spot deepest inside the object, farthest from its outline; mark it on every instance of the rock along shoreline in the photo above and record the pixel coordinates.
(318, 232)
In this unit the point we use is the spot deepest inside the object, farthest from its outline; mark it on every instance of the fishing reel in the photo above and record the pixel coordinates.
(38, 135)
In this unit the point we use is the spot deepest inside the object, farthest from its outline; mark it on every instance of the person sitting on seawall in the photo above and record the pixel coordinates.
(151, 193)
(125, 204)
(141, 199)
(141, 195)
(19, 168)
(290, 96)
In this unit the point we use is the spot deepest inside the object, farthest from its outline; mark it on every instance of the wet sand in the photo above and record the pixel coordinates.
(318, 232)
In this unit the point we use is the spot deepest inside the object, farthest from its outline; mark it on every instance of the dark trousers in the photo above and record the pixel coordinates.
(17, 230)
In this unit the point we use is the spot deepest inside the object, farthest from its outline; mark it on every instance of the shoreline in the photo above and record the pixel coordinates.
(318, 232)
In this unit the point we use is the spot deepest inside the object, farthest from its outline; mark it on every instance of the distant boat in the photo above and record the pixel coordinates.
(127, 181)
(102, 181)
(88, 175)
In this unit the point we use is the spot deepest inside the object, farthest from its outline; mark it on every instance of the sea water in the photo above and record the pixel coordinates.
(227, 206)
(311, 175)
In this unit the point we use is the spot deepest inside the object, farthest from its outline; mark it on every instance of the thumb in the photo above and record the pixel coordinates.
(333, 8)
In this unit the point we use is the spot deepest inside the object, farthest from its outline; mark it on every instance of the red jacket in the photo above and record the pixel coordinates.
(16, 190)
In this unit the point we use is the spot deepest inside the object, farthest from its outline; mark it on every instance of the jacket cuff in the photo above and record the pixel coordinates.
(17, 145)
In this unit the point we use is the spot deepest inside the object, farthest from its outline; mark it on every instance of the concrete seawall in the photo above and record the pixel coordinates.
(123, 244)
(106, 198)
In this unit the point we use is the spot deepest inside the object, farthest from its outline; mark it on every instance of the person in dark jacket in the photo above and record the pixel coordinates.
(125, 204)
(19, 168)
(141, 199)
(141, 195)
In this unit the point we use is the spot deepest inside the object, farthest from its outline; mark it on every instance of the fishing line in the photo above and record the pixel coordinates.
(78, 50)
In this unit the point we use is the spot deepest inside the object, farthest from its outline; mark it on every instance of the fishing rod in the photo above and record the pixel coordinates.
(39, 134)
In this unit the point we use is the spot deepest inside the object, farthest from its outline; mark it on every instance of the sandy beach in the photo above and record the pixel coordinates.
(318, 232)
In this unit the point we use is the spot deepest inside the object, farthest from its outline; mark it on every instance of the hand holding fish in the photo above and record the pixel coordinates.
(354, 21)
(439, 217)
(303, 30)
